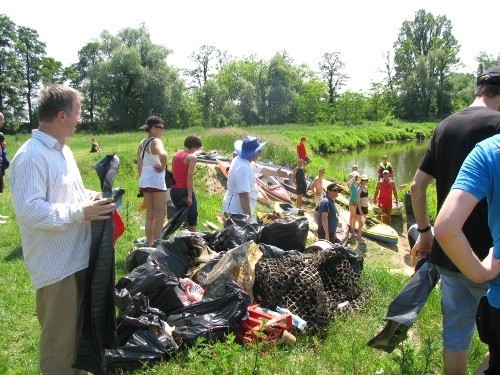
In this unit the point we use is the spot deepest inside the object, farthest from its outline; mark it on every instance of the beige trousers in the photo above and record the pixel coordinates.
(59, 309)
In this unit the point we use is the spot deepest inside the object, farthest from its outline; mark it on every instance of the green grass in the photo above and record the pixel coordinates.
(342, 351)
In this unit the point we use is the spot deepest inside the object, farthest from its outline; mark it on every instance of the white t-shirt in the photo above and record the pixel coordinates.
(241, 179)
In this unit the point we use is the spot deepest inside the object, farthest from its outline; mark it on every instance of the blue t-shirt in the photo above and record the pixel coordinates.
(480, 176)
(327, 205)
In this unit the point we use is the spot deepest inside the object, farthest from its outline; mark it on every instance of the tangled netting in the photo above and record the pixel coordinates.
(313, 286)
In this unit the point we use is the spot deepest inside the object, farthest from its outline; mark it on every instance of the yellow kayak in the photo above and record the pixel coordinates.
(374, 229)
(396, 209)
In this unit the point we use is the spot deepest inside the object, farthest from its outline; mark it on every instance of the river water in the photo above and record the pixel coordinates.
(404, 156)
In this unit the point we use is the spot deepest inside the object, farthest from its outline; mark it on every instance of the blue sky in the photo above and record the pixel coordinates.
(360, 30)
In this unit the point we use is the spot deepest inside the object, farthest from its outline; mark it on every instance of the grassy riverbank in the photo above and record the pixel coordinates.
(342, 351)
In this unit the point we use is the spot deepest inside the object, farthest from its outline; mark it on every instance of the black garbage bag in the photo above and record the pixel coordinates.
(200, 276)
(138, 314)
(154, 281)
(405, 307)
(99, 320)
(238, 229)
(138, 257)
(287, 234)
(180, 252)
(175, 222)
(143, 346)
(270, 251)
(211, 318)
(142, 337)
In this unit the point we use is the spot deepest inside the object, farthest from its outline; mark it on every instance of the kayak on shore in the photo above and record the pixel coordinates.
(374, 229)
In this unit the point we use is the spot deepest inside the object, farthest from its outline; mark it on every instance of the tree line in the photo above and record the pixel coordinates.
(125, 78)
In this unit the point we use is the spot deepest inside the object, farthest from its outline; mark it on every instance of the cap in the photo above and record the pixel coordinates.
(332, 187)
(490, 77)
(364, 177)
(385, 171)
(152, 120)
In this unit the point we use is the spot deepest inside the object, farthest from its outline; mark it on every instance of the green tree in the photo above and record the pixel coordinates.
(462, 87)
(245, 83)
(331, 71)
(32, 52)
(84, 77)
(283, 83)
(486, 61)
(378, 104)
(351, 108)
(134, 81)
(208, 61)
(425, 54)
(313, 102)
(11, 80)
(51, 71)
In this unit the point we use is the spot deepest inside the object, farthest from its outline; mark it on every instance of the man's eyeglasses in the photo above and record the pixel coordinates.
(159, 127)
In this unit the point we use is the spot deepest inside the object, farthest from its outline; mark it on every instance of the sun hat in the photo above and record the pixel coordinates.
(248, 147)
(364, 177)
(354, 174)
(152, 120)
(489, 77)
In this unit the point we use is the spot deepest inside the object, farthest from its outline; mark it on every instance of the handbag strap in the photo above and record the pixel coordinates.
(146, 145)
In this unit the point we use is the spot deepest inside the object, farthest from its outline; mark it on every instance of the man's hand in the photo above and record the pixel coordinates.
(424, 245)
(99, 209)
(491, 265)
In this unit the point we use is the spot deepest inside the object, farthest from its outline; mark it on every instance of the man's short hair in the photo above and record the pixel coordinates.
(56, 98)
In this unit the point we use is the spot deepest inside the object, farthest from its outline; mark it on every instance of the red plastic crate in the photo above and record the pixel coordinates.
(262, 326)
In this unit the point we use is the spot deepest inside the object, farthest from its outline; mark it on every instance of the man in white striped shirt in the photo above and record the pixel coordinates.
(54, 210)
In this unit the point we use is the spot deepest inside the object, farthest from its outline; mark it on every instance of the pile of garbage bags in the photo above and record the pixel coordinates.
(200, 285)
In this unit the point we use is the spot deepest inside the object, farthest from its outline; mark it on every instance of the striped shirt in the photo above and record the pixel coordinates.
(48, 195)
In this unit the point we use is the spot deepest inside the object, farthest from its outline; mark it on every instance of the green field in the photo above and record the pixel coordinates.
(342, 351)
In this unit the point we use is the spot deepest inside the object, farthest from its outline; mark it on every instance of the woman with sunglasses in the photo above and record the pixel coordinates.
(151, 162)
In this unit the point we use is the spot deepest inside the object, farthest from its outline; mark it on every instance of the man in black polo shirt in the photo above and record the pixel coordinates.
(452, 141)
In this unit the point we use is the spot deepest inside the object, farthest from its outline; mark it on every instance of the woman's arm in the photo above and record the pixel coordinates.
(139, 158)
(158, 149)
(190, 160)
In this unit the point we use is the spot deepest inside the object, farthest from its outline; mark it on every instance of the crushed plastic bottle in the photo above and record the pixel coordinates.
(193, 291)
(297, 321)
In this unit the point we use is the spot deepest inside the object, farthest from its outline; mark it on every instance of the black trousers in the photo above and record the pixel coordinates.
(487, 319)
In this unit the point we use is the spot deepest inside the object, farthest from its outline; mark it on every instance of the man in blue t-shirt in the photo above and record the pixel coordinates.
(328, 215)
(477, 179)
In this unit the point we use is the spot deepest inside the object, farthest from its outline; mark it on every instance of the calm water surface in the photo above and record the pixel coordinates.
(405, 158)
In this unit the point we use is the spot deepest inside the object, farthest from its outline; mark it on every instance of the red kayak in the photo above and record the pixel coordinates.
(272, 187)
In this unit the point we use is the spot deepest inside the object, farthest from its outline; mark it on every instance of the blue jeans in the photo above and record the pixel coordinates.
(178, 197)
(460, 298)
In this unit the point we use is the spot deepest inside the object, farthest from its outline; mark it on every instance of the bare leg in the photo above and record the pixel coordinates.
(387, 211)
(298, 201)
(484, 366)
(149, 227)
(352, 219)
(361, 221)
(455, 363)
(159, 213)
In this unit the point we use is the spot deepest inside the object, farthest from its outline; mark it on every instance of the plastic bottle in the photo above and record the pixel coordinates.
(193, 291)
(297, 321)
(267, 311)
